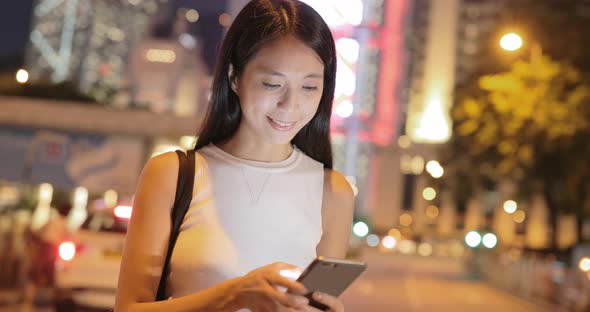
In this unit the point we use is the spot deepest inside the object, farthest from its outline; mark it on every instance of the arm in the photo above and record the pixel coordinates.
(147, 240)
(337, 211)
(145, 246)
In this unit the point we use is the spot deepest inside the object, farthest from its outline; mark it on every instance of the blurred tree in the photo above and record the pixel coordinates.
(561, 27)
(530, 125)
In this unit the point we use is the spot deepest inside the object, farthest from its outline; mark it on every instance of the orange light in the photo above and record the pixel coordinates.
(123, 212)
(225, 20)
(67, 250)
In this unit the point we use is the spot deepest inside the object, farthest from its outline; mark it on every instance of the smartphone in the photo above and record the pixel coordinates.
(330, 276)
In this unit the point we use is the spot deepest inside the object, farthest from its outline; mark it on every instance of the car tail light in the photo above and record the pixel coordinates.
(123, 212)
(67, 250)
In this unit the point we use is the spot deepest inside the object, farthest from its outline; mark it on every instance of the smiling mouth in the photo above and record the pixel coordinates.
(281, 125)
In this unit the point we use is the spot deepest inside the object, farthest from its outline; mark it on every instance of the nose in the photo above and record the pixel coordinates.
(288, 101)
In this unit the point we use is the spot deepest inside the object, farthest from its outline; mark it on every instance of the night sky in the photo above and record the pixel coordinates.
(14, 28)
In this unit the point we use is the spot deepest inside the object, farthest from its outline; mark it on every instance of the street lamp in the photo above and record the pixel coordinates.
(513, 41)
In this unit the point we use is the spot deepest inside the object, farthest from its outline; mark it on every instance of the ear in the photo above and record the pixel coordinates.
(233, 80)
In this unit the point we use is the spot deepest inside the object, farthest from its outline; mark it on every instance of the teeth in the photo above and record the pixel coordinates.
(280, 123)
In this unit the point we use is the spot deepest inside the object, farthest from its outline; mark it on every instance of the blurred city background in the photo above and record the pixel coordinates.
(462, 125)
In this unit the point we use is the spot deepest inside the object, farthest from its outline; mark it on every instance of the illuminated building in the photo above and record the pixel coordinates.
(71, 144)
(370, 75)
(167, 73)
(86, 42)
(448, 47)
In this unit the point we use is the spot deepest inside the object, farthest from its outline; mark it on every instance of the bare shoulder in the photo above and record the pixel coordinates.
(336, 187)
(160, 173)
(162, 165)
(157, 182)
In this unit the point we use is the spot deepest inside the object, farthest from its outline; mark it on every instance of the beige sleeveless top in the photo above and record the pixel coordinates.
(246, 214)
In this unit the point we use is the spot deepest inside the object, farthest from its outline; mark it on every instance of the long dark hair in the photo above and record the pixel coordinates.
(260, 22)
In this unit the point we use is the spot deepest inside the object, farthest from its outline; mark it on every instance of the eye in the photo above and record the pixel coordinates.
(270, 85)
(309, 88)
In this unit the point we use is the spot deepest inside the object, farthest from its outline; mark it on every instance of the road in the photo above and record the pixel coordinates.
(395, 282)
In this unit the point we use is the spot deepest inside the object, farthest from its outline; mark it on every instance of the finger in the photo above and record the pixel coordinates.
(298, 302)
(332, 302)
(292, 286)
(287, 300)
(285, 309)
(265, 306)
(282, 266)
(309, 308)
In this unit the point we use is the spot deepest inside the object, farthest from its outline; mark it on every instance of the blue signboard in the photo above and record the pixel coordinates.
(68, 160)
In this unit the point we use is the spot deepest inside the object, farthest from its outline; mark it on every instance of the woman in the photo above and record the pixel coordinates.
(265, 197)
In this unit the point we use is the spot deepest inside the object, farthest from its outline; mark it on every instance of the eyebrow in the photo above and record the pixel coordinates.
(276, 73)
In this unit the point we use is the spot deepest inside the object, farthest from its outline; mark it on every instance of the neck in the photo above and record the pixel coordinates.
(264, 152)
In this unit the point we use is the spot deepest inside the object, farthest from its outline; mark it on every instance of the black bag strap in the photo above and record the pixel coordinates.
(182, 200)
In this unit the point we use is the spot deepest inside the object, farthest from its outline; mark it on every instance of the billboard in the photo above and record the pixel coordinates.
(68, 160)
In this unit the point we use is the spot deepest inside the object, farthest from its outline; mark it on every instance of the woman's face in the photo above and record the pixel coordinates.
(279, 89)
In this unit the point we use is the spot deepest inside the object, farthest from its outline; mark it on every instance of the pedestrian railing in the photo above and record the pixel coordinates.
(537, 278)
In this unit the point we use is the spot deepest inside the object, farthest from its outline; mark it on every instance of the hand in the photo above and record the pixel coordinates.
(334, 304)
(258, 291)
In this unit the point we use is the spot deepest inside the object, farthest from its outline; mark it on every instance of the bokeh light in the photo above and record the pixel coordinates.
(425, 249)
(490, 240)
(472, 239)
(510, 206)
(388, 242)
(404, 141)
(225, 20)
(67, 251)
(432, 211)
(373, 240)
(519, 216)
(192, 15)
(511, 42)
(405, 219)
(429, 193)
(435, 169)
(360, 229)
(22, 76)
(395, 233)
(344, 109)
